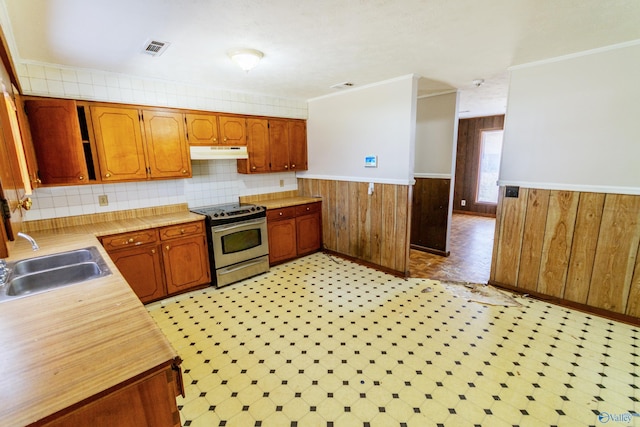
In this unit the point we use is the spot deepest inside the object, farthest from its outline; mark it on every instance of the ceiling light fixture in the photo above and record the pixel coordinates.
(478, 82)
(247, 59)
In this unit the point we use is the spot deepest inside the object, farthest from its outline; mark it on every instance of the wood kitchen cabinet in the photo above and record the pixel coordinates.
(148, 401)
(157, 262)
(135, 145)
(214, 130)
(137, 257)
(57, 141)
(294, 231)
(185, 256)
(275, 145)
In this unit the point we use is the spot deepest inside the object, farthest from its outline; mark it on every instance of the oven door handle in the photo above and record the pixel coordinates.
(224, 228)
(228, 270)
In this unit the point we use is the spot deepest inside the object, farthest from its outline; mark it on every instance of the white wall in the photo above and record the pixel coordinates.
(572, 123)
(377, 119)
(436, 136)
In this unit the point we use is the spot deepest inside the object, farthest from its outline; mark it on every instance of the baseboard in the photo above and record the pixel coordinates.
(631, 320)
(430, 250)
(368, 264)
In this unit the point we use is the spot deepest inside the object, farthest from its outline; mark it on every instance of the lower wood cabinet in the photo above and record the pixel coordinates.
(161, 261)
(294, 231)
(148, 401)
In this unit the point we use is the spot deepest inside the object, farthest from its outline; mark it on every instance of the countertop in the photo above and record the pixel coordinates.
(287, 202)
(60, 347)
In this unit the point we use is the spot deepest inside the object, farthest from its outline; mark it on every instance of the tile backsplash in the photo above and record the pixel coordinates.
(213, 182)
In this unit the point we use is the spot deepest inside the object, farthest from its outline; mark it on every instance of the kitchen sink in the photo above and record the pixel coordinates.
(40, 274)
(47, 262)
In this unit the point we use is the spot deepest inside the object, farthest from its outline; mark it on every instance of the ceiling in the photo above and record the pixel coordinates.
(311, 45)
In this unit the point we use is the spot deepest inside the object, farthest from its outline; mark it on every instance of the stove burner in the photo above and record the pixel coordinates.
(229, 210)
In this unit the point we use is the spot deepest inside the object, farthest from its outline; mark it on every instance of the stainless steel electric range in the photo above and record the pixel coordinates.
(237, 239)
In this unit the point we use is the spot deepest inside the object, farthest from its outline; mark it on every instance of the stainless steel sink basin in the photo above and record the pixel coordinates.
(40, 274)
(47, 262)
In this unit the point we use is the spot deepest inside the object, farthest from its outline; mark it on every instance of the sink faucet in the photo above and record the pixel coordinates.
(30, 239)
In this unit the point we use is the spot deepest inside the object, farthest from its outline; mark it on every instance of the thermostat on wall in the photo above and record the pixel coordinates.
(371, 161)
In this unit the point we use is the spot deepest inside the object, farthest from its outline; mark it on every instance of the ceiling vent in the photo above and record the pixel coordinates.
(343, 85)
(155, 48)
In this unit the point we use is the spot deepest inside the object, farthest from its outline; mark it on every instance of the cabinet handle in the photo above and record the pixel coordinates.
(225, 139)
(153, 251)
(81, 177)
(107, 175)
(215, 139)
(308, 208)
(130, 240)
(280, 214)
(184, 171)
(253, 168)
(286, 166)
(293, 166)
(182, 231)
(167, 247)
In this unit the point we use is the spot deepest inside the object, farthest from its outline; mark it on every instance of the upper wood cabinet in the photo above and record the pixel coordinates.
(285, 148)
(257, 147)
(297, 132)
(57, 141)
(202, 129)
(125, 153)
(232, 130)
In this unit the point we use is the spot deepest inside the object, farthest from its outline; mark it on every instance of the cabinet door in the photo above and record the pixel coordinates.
(308, 233)
(232, 131)
(167, 148)
(297, 145)
(141, 267)
(258, 145)
(119, 143)
(282, 240)
(186, 263)
(27, 142)
(202, 129)
(57, 141)
(279, 145)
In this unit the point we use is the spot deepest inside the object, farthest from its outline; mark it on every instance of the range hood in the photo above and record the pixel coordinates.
(218, 153)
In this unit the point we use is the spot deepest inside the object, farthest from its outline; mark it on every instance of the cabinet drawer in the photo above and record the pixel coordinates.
(182, 230)
(135, 238)
(308, 208)
(282, 213)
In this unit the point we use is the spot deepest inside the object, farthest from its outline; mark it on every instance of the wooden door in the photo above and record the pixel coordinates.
(297, 145)
(278, 145)
(186, 263)
(430, 215)
(57, 141)
(257, 147)
(309, 234)
(202, 129)
(167, 149)
(232, 131)
(141, 268)
(119, 143)
(282, 240)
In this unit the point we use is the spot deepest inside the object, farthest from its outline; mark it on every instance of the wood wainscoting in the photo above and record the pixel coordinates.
(575, 247)
(370, 228)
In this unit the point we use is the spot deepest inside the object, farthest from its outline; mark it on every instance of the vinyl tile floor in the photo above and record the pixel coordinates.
(322, 341)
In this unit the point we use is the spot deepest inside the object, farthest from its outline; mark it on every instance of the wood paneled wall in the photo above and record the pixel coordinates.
(467, 162)
(574, 246)
(430, 215)
(372, 228)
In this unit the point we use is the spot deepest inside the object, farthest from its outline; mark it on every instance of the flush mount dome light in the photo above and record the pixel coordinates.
(247, 59)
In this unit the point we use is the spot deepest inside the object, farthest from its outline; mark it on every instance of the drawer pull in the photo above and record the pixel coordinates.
(167, 247)
(130, 240)
(280, 214)
(182, 231)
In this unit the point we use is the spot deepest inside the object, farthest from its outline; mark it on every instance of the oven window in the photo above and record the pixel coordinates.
(241, 241)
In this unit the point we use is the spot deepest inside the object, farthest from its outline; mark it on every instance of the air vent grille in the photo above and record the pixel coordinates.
(155, 48)
(343, 85)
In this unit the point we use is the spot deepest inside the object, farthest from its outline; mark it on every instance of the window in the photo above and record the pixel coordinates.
(490, 150)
